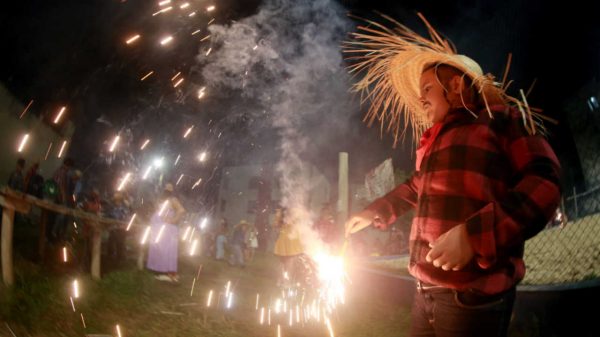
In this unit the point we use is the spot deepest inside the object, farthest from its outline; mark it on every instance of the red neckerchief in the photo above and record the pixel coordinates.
(425, 143)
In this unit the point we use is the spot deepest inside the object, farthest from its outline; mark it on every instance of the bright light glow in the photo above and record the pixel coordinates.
(119, 331)
(178, 83)
(210, 8)
(192, 14)
(163, 207)
(23, 142)
(205, 38)
(208, 52)
(196, 31)
(64, 254)
(203, 225)
(262, 315)
(185, 5)
(164, 10)
(202, 156)
(188, 131)
(147, 172)
(177, 159)
(146, 142)
(229, 301)
(209, 300)
(158, 162)
(160, 231)
(178, 180)
(145, 236)
(185, 234)
(197, 183)
(164, 2)
(60, 113)
(147, 75)
(194, 246)
(174, 77)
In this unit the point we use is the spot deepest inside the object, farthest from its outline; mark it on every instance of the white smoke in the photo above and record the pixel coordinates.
(288, 58)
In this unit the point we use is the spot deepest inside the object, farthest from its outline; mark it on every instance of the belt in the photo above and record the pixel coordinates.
(423, 287)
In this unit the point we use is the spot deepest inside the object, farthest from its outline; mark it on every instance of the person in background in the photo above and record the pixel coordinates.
(237, 244)
(16, 180)
(251, 242)
(34, 182)
(220, 243)
(163, 245)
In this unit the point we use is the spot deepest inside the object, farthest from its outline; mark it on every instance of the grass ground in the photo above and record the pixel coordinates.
(39, 305)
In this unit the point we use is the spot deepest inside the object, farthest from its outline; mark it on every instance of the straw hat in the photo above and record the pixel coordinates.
(393, 61)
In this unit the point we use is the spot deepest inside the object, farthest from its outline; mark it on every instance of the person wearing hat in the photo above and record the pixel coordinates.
(486, 180)
(163, 246)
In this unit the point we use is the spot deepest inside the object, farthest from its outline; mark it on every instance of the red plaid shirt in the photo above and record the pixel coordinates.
(490, 174)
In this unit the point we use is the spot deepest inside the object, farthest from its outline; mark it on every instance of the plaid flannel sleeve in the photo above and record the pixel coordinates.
(395, 203)
(527, 207)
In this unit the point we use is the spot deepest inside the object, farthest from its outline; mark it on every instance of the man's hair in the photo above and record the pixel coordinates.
(445, 73)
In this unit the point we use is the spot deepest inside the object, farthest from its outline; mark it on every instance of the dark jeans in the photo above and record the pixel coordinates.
(443, 312)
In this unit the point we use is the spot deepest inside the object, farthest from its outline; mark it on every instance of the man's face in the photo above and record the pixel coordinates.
(432, 97)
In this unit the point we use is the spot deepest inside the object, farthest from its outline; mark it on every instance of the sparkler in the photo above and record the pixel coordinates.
(23, 142)
(166, 40)
(132, 39)
(131, 221)
(62, 149)
(60, 113)
(145, 144)
(25, 110)
(147, 75)
(114, 144)
(124, 181)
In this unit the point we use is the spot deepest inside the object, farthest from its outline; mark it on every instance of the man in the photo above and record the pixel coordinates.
(16, 181)
(486, 181)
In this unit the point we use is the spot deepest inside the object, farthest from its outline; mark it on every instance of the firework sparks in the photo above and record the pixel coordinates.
(174, 77)
(197, 183)
(147, 75)
(166, 40)
(210, 8)
(192, 291)
(147, 172)
(132, 39)
(72, 303)
(192, 14)
(118, 331)
(163, 207)
(194, 246)
(124, 181)
(23, 142)
(62, 149)
(227, 286)
(164, 2)
(205, 38)
(178, 83)
(192, 233)
(201, 93)
(177, 160)
(262, 315)
(114, 144)
(185, 234)
(83, 321)
(202, 156)
(160, 231)
(48, 151)
(211, 21)
(185, 5)
(229, 300)
(188, 131)
(291, 317)
(203, 225)
(145, 236)
(131, 221)
(209, 300)
(208, 51)
(196, 31)
(278, 330)
(329, 327)
(164, 10)
(64, 251)
(257, 299)
(25, 110)
(146, 142)
(178, 180)
(60, 114)
(269, 317)
(75, 289)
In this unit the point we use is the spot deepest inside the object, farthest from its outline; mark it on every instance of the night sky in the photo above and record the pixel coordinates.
(72, 52)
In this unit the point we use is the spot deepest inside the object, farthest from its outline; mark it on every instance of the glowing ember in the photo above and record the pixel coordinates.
(146, 234)
(166, 40)
(62, 149)
(188, 131)
(145, 144)
(25, 110)
(194, 246)
(132, 39)
(118, 331)
(178, 180)
(60, 114)
(147, 75)
(75, 289)
(210, 8)
(23, 142)
(64, 254)
(209, 300)
(160, 231)
(124, 181)
(114, 144)
(131, 221)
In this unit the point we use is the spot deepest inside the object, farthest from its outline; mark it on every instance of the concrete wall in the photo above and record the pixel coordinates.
(41, 135)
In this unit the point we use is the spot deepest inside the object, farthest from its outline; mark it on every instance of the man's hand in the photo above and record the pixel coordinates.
(452, 250)
(359, 221)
